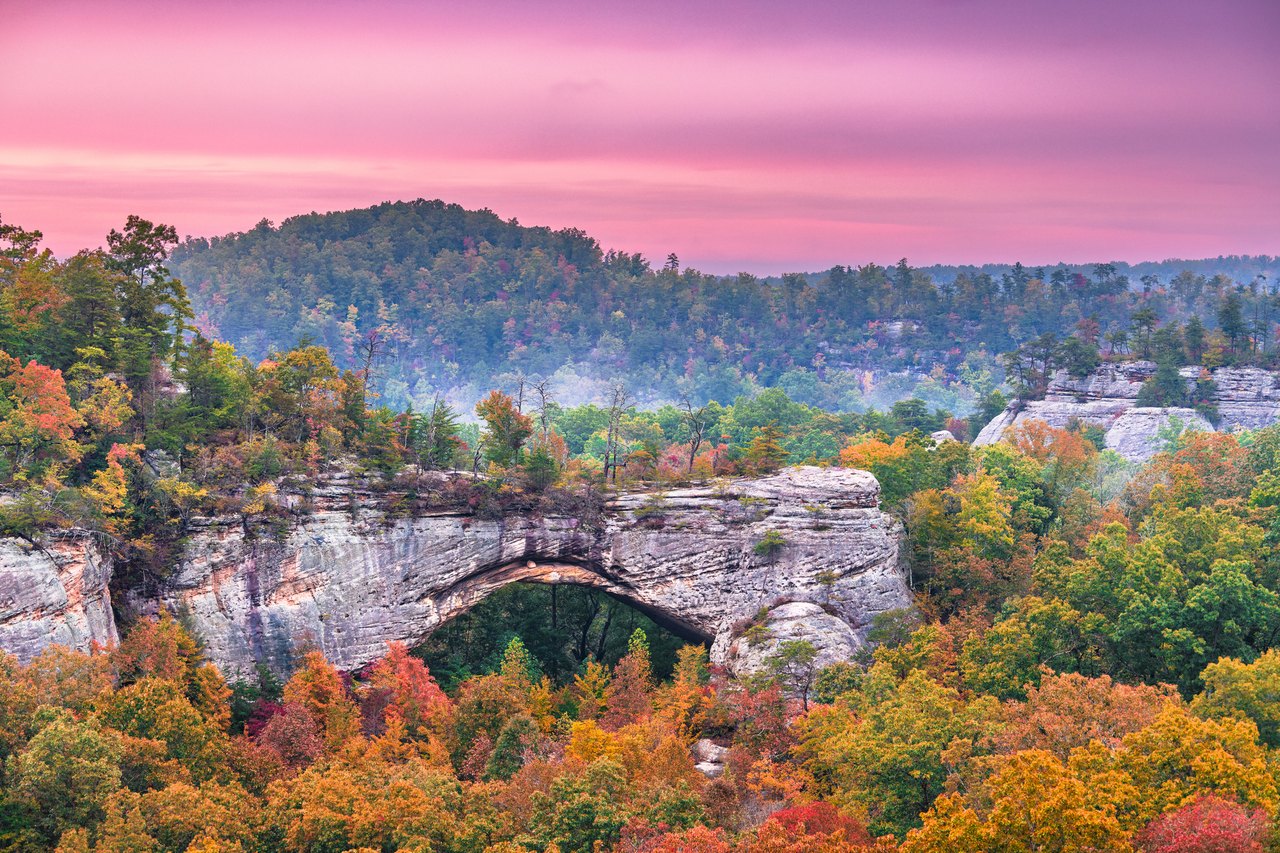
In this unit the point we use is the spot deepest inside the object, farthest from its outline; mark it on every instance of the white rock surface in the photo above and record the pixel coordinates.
(1135, 433)
(54, 592)
(832, 637)
(709, 758)
(347, 583)
(1247, 398)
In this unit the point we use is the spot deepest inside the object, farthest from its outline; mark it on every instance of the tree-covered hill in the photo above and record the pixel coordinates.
(442, 299)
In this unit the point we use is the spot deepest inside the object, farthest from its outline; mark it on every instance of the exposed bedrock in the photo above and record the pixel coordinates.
(1246, 398)
(54, 591)
(347, 578)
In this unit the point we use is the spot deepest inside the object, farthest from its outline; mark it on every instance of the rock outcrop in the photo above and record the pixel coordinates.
(349, 575)
(710, 758)
(1246, 398)
(832, 638)
(55, 591)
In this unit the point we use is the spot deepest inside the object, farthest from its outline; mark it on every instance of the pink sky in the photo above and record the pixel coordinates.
(751, 135)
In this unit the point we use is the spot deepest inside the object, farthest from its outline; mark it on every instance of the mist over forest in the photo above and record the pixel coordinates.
(460, 301)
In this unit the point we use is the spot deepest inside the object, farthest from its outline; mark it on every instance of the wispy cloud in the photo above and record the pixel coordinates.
(756, 136)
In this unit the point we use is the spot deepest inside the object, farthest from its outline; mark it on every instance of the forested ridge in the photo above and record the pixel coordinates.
(1090, 665)
(460, 301)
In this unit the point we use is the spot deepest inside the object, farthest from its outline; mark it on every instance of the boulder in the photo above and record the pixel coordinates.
(831, 637)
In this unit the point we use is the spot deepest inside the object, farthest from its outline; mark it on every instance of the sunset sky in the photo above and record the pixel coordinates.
(766, 136)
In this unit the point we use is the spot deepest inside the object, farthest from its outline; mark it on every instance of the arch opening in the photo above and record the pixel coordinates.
(563, 613)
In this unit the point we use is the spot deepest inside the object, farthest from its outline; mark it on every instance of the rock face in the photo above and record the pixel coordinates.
(348, 577)
(1246, 398)
(348, 583)
(54, 592)
(832, 638)
(709, 758)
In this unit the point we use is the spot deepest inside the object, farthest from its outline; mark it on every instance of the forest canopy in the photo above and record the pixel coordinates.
(461, 301)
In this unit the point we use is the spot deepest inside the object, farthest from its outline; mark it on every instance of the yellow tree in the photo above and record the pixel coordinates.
(211, 696)
(1233, 688)
(1031, 802)
(176, 815)
(157, 709)
(64, 678)
(319, 688)
(765, 453)
(1180, 757)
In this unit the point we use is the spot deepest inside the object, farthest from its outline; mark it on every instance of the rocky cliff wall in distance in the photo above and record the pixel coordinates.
(1246, 398)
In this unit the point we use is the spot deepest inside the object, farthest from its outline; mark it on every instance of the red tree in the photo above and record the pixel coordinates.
(822, 819)
(1209, 825)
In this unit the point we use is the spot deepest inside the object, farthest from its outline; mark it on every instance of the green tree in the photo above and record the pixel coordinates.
(1144, 322)
(580, 811)
(914, 413)
(153, 304)
(21, 242)
(1167, 387)
(794, 666)
(219, 390)
(1030, 365)
(66, 773)
(1078, 358)
(540, 468)
(887, 755)
(93, 288)
(517, 736)
(434, 436)
(1231, 319)
(1193, 338)
(1032, 633)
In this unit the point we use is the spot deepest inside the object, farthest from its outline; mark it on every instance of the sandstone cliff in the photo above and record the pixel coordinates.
(54, 592)
(1247, 398)
(348, 576)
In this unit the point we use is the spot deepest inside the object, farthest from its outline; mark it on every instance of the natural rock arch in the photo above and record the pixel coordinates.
(349, 576)
(349, 583)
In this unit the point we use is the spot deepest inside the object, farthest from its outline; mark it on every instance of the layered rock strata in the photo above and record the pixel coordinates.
(1246, 398)
(348, 576)
(54, 591)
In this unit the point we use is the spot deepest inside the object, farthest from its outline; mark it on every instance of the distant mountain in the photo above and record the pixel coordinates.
(1238, 268)
(461, 301)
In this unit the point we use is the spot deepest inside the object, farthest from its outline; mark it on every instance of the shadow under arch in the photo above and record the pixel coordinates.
(471, 591)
